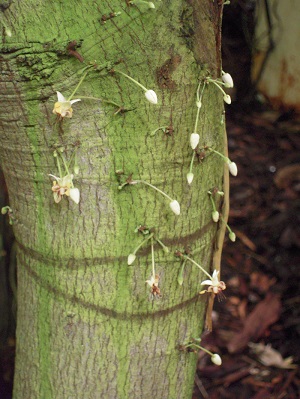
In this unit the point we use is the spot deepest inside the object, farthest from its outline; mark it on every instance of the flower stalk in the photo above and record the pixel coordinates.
(149, 94)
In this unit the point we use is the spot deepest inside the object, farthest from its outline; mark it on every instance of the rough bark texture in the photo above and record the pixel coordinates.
(86, 325)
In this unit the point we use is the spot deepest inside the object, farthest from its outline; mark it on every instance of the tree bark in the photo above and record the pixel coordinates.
(87, 326)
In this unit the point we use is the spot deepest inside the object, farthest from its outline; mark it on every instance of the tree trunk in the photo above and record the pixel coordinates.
(87, 325)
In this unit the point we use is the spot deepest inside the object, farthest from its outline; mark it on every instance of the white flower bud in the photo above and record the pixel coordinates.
(190, 177)
(232, 168)
(199, 104)
(232, 236)
(75, 195)
(227, 98)
(215, 216)
(174, 205)
(131, 259)
(8, 32)
(151, 96)
(151, 5)
(216, 359)
(227, 79)
(76, 169)
(194, 140)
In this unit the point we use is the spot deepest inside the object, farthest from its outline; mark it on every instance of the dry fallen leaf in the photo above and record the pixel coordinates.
(271, 357)
(264, 314)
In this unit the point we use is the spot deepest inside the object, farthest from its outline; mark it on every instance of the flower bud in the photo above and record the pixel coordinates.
(227, 98)
(194, 140)
(151, 5)
(8, 32)
(232, 168)
(232, 236)
(190, 177)
(174, 205)
(180, 279)
(199, 104)
(215, 216)
(75, 195)
(151, 96)
(131, 259)
(227, 79)
(216, 359)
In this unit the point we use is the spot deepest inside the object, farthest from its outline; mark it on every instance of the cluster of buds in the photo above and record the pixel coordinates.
(150, 236)
(212, 193)
(225, 81)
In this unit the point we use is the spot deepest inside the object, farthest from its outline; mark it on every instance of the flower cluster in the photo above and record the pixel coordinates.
(225, 81)
(63, 185)
(149, 235)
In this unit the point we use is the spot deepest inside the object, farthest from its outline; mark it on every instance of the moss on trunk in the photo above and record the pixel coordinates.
(87, 326)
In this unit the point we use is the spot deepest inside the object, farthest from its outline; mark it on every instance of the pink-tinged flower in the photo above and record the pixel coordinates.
(61, 186)
(153, 283)
(214, 284)
(63, 107)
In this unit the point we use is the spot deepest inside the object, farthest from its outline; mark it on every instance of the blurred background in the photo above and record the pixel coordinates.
(256, 328)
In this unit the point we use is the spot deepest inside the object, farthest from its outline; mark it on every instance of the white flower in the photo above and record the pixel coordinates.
(215, 216)
(190, 177)
(194, 140)
(232, 236)
(152, 281)
(232, 168)
(131, 259)
(151, 96)
(227, 98)
(227, 79)
(63, 107)
(174, 205)
(74, 195)
(216, 359)
(215, 285)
